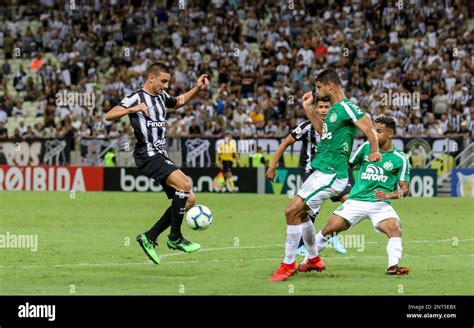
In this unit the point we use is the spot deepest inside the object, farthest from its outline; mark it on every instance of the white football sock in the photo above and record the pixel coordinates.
(309, 238)
(293, 236)
(320, 241)
(394, 250)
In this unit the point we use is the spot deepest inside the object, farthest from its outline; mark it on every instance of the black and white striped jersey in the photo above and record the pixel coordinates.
(310, 138)
(150, 131)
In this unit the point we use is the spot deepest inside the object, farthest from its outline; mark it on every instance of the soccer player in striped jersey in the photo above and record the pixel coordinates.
(330, 175)
(147, 110)
(377, 184)
(305, 133)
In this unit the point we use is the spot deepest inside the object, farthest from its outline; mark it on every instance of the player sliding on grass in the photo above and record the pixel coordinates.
(370, 198)
(146, 109)
(305, 132)
(329, 178)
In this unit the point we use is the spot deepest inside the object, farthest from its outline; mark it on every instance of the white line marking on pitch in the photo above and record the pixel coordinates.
(351, 257)
(227, 248)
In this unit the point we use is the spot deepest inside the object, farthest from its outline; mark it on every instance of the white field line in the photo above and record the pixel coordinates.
(233, 260)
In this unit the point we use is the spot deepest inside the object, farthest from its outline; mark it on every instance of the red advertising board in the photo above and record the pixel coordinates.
(51, 178)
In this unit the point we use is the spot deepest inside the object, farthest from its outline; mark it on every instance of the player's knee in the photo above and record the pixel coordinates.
(191, 201)
(185, 186)
(393, 228)
(291, 213)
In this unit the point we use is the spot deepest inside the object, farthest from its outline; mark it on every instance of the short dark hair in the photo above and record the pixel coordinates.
(388, 121)
(156, 68)
(328, 75)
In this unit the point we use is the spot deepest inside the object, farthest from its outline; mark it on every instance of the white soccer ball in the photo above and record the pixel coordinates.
(199, 217)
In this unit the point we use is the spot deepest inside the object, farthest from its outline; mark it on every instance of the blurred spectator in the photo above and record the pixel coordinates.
(3, 131)
(18, 109)
(261, 59)
(194, 129)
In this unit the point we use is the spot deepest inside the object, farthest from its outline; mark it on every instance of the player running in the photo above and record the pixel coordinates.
(305, 132)
(147, 110)
(330, 174)
(378, 183)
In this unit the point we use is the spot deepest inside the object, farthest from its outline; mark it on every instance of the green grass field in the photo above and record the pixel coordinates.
(86, 246)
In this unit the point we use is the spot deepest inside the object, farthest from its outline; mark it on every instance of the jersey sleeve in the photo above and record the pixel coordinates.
(170, 102)
(129, 101)
(404, 171)
(301, 130)
(358, 155)
(353, 111)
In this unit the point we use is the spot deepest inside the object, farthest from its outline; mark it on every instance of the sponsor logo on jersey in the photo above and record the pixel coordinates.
(388, 166)
(155, 124)
(333, 118)
(374, 173)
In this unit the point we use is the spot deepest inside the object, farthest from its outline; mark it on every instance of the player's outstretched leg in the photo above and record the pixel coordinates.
(391, 227)
(180, 182)
(147, 240)
(334, 240)
(336, 244)
(334, 225)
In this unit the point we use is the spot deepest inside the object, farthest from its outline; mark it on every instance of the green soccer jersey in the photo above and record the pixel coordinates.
(383, 175)
(339, 132)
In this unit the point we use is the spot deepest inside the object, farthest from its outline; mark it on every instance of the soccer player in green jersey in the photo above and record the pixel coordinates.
(330, 177)
(378, 183)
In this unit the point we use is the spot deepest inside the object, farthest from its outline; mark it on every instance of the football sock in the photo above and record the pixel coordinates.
(293, 236)
(309, 237)
(320, 241)
(160, 225)
(394, 250)
(178, 207)
(312, 217)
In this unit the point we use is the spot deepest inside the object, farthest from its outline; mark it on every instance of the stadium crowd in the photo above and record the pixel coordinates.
(412, 60)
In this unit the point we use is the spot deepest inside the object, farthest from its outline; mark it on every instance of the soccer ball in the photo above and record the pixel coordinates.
(199, 217)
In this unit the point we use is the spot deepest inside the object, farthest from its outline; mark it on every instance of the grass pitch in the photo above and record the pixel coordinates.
(86, 246)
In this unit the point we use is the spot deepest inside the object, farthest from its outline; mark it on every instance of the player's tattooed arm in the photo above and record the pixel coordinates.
(119, 111)
(289, 140)
(311, 113)
(402, 192)
(366, 126)
(202, 84)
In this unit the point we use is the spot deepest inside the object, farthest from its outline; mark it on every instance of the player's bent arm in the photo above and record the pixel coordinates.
(118, 111)
(366, 126)
(402, 192)
(183, 99)
(289, 140)
(311, 113)
(315, 120)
